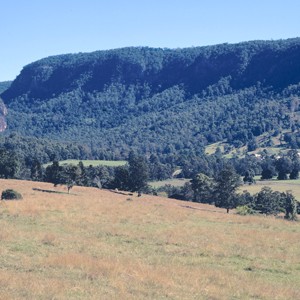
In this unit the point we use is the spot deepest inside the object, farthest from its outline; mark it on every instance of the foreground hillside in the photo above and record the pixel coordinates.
(163, 101)
(96, 244)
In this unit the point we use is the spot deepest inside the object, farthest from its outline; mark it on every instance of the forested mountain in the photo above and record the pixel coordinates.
(163, 101)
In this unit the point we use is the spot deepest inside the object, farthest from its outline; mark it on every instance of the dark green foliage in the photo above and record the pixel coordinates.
(184, 193)
(70, 175)
(157, 170)
(9, 164)
(295, 164)
(249, 177)
(36, 171)
(284, 167)
(246, 199)
(10, 194)
(290, 206)
(121, 179)
(202, 187)
(132, 177)
(252, 145)
(268, 168)
(30, 149)
(226, 184)
(161, 101)
(138, 172)
(269, 202)
(53, 173)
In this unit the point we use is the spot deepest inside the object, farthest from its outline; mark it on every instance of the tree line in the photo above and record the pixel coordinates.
(220, 189)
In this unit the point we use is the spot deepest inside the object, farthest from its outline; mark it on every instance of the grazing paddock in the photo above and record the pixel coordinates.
(178, 182)
(94, 163)
(276, 185)
(96, 244)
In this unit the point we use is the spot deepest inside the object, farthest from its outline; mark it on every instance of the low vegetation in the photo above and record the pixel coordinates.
(95, 244)
(10, 194)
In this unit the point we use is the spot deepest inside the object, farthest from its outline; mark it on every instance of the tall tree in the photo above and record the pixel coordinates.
(138, 172)
(227, 182)
(36, 170)
(121, 178)
(9, 164)
(53, 173)
(70, 176)
(290, 206)
(284, 167)
(202, 187)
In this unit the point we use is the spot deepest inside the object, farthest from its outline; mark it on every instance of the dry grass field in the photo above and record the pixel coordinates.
(96, 244)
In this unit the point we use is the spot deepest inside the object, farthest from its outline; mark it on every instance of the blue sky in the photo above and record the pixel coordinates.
(34, 29)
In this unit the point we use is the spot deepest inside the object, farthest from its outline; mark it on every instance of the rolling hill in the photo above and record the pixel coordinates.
(94, 244)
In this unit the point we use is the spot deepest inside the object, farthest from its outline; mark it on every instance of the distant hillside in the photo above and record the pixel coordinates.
(160, 101)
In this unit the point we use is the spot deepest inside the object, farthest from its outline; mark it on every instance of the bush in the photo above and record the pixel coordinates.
(11, 195)
(245, 210)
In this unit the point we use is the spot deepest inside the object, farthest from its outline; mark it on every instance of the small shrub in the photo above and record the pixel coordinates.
(11, 195)
(245, 210)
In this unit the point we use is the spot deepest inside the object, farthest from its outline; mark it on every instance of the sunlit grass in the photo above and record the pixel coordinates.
(178, 182)
(94, 163)
(95, 244)
(276, 185)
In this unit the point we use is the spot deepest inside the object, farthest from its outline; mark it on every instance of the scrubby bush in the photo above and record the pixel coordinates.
(11, 195)
(245, 210)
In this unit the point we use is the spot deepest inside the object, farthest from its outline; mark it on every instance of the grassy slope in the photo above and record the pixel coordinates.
(95, 244)
(279, 146)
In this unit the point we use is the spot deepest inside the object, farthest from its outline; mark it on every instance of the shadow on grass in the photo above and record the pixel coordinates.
(121, 193)
(204, 209)
(52, 192)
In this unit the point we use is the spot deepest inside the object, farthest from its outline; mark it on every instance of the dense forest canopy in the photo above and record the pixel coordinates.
(159, 101)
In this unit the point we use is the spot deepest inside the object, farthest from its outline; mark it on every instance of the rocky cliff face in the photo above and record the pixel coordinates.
(3, 113)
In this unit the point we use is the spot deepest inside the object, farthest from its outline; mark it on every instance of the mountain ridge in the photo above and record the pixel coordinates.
(149, 61)
(103, 97)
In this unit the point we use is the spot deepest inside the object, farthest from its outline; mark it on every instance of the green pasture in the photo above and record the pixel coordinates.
(178, 182)
(94, 163)
(276, 185)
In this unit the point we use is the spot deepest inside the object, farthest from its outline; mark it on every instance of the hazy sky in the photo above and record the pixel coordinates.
(33, 29)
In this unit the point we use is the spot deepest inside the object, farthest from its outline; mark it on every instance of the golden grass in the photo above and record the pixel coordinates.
(95, 244)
